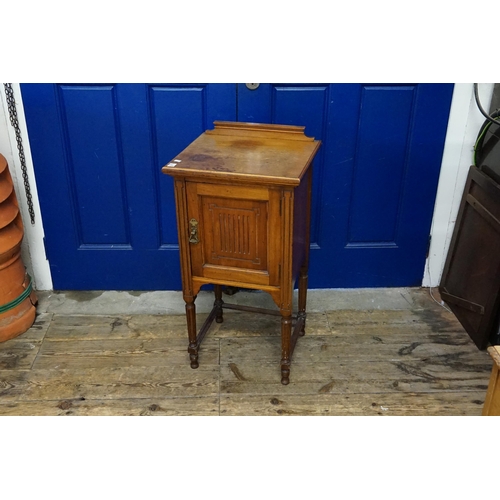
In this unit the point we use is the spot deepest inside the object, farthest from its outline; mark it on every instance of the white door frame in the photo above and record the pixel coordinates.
(463, 126)
(33, 248)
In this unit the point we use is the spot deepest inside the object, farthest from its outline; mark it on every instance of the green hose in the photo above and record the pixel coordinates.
(14, 303)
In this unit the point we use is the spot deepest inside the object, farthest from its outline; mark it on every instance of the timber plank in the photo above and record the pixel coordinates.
(79, 327)
(316, 349)
(120, 353)
(38, 330)
(244, 324)
(349, 322)
(20, 352)
(353, 378)
(127, 382)
(236, 324)
(203, 406)
(387, 404)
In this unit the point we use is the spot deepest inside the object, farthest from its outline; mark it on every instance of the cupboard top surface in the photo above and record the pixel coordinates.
(275, 154)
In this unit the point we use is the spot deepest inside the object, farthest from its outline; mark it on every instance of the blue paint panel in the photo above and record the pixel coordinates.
(255, 106)
(301, 105)
(305, 105)
(380, 163)
(94, 164)
(139, 166)
(179, 116)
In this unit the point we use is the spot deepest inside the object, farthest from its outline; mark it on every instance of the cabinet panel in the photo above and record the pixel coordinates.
(233, 226)
(234, 232)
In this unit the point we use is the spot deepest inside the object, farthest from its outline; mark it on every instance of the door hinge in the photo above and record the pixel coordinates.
(428, 247)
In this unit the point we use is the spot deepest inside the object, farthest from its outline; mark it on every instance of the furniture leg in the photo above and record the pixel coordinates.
(286, 333)
(302, 299)
(191, 327)
(218, 303)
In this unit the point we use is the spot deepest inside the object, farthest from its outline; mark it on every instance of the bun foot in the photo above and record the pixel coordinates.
(194, 360)
(285, 376)
(219, 319)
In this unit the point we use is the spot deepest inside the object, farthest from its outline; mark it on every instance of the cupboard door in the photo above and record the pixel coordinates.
(234, 232)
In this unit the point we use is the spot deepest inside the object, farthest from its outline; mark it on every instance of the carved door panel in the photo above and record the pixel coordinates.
(234, 233)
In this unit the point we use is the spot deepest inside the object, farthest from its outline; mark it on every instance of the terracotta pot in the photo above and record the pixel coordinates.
(15, 285)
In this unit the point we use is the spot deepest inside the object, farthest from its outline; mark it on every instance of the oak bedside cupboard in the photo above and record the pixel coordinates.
(243, 203)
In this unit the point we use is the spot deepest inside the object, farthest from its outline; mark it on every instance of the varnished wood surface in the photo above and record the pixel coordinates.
(381, 362)
(259, 153)
(492, 402)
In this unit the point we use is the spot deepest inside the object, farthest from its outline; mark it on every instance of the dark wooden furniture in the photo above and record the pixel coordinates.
(243, 197)
(470, 284)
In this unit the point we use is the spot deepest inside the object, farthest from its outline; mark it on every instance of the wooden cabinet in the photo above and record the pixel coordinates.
(492, 402)
(243, 198)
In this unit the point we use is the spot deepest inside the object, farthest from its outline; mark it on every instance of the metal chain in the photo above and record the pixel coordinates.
(14, 121)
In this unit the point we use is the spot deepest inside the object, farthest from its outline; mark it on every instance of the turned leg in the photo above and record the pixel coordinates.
(302, 299)
(286, 333)
(191, 326)
(218, 303)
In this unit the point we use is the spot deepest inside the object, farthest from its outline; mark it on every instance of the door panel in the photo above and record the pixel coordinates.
(380, 154)
(89, 118)
(238, 232)
(375, 176)
(108, 213)
(232, 225)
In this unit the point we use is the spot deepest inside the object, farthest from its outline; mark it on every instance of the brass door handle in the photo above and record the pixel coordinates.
(193, 231)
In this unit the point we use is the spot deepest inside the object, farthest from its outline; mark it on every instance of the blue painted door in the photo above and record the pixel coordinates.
(109, 215)
(375, 177)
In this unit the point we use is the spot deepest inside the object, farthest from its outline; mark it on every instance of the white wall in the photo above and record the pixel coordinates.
(33, 250)
(465, 121)
(463, 127)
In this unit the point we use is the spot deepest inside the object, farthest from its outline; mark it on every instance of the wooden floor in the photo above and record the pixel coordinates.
(351, 362)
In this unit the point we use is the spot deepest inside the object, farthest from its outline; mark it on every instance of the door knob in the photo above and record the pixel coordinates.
(252, 86)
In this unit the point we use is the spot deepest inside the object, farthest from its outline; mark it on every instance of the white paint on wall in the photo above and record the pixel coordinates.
(33, 249)
(463, 127)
